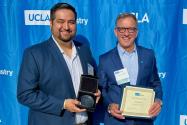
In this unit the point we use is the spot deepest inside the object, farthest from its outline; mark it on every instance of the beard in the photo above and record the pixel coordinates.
(66, 38)
(63, 35)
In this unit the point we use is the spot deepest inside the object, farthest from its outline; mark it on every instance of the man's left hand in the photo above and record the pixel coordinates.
(155, 108)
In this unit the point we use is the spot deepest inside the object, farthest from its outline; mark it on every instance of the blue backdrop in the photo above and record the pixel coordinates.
(162, 27)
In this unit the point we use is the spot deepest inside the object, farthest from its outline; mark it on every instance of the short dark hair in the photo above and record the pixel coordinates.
(59, 6)
(126, 15)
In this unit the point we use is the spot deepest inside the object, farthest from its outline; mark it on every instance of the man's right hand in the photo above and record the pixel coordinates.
(71, 105)
(113, 109)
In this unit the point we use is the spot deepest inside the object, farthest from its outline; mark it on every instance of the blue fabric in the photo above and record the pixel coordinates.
(129, 61)
(112, 92)
(161, 28)
(45, 82)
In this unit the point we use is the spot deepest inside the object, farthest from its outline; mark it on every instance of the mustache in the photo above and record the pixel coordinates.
(66, 30)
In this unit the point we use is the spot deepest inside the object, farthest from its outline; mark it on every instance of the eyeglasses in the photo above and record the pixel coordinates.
(129, 29)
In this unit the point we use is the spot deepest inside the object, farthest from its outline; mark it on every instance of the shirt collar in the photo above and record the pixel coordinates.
(122, 51)
(74, 51)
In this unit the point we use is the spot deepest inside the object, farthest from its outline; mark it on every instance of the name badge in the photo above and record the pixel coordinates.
(122, 76)
(90, 69)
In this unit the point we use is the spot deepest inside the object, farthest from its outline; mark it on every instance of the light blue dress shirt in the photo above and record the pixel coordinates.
(129, 61)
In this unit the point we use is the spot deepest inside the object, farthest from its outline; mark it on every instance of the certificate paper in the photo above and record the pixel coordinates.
(136, 101)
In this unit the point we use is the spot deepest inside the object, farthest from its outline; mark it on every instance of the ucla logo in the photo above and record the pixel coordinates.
(37, 17)
(142, 18)
(183, 119)
(184, 16)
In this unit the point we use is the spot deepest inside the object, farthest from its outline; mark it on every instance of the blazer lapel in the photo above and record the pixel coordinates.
(116, 59)
(140, 65)
(118, 64)
(82, 59)
(63, 66)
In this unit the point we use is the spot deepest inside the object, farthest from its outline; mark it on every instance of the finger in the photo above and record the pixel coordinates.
(117, 111)
(77, 109)
(117, 114)
(153, 114)
(97, 100)
(71, 105)
(155, 109)
(98, 93)
(76, 102)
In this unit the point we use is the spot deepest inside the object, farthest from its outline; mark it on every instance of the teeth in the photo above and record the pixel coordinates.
(125, 38)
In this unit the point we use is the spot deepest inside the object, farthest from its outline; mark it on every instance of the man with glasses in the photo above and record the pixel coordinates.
(50, 73)
(127, 65)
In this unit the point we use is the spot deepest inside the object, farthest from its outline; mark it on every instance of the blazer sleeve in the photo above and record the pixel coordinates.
(103, 82)
(28, 90)
(155, 80)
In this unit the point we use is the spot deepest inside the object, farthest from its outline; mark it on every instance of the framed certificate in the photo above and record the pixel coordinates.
(136, 101)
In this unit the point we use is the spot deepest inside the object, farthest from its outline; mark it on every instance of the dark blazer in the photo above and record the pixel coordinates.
(112, 92)
(45, 81)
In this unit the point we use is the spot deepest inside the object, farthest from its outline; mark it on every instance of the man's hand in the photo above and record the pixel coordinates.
(113, 109)
(98, 95)
(71, 105)
(155, 108)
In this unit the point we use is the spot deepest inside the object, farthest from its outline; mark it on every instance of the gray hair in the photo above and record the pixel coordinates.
(126, 15)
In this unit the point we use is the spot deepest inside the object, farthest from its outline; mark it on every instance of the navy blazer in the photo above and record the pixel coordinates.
(45, 82)
(112, 92)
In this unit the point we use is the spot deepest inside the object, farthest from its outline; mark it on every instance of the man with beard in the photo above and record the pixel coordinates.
(50, 73)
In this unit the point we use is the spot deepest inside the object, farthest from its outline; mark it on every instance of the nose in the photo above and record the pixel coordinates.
(126, 33)
(66, 26)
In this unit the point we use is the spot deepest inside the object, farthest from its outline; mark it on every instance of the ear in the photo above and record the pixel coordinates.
(115, 32)
(51, 23)
(136, 33)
